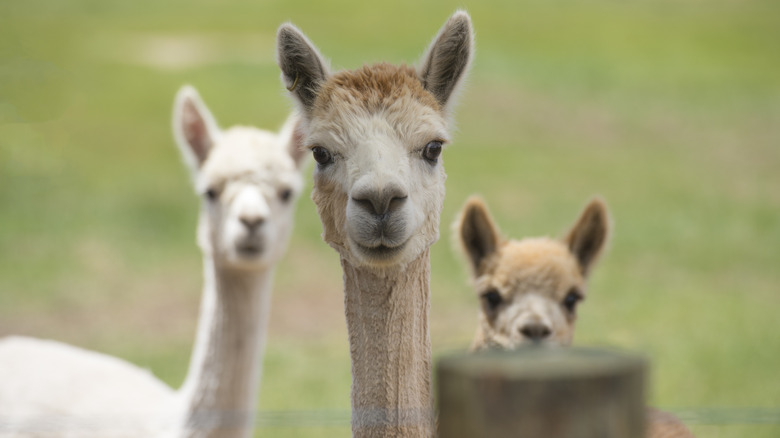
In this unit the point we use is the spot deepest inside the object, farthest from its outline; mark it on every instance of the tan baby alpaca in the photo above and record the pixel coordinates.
(529, 289)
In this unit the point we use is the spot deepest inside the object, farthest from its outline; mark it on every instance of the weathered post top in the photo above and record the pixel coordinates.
(542, 393)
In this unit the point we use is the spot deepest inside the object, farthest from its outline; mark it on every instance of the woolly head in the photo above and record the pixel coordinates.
(529, 289)
(248, 178)
(377, 134)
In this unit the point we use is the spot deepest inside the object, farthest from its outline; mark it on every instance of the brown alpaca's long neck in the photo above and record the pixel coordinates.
(390, 346)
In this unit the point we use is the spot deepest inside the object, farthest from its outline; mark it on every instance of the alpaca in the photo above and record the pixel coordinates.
(377, 133)
(249, 180)
(529, 289)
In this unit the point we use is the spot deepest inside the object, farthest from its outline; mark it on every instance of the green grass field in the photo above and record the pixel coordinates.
(670, 110)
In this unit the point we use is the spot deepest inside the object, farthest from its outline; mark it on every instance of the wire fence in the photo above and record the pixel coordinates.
(715, 416)
(699, 416)
(727, 416)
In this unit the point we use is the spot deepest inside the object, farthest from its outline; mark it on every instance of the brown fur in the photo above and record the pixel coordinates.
(379, 190)
(532, 278)
(662, 424)
(387, 320)
(372, 88)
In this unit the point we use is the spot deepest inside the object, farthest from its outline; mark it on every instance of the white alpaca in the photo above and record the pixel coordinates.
(377, 134)
(249, 180)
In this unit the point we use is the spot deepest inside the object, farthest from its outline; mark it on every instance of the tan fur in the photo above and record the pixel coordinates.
(665, 425)
(386, 301)
(380, 199)
(390, 345)
(373, 88)
(533, 277)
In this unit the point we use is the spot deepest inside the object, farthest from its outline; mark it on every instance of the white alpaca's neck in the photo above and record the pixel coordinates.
(390, 346)
(219, 392)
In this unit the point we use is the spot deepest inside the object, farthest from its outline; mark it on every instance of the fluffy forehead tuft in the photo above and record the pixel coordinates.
(536, 263)
(248, 153)
(381, 101)
(373, 88)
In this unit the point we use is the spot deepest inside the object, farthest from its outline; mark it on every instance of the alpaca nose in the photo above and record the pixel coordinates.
(252, 222)
(380, 202)
(535, 331)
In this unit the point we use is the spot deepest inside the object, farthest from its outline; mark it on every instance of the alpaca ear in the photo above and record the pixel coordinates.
(478, 234)
(588, 237)
(446, 61)
(303, 68)
(292, 135)
(194, 127)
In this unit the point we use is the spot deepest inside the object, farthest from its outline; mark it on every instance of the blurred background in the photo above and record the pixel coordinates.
(670, 110)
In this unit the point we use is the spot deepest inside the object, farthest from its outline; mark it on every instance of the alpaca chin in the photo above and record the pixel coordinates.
(385, 258)
(250, 253)
(380, 255)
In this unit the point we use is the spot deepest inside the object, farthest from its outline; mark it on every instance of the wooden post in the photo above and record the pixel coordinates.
(542, 393)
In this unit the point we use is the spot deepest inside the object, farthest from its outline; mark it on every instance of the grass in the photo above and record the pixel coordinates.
(669, 110)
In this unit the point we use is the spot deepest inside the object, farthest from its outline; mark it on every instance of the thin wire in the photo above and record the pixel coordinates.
(341, 418)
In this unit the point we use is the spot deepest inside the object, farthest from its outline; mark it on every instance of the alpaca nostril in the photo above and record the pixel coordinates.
(535, 332)
(366, 204)
(396, 203)
(251, 223)
(380, 202)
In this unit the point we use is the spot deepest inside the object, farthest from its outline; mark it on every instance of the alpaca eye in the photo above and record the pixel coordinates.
(571, 299)
(493, 299)
(285, 195)
(212, 194)
(432, 151)
(321, 155)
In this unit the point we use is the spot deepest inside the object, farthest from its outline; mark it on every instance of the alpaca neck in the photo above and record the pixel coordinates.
(390, 346)
(219, 392)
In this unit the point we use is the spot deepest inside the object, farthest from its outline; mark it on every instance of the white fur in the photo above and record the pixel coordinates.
(375, 155)
(47, 387)
(43, 384)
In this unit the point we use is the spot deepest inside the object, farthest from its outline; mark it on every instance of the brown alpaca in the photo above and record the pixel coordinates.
(377, 134)
(529, 289)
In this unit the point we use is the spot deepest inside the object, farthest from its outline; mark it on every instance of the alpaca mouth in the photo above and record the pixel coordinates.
(389, 231)
(381, 252)
(249, 249)
(381, 241)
